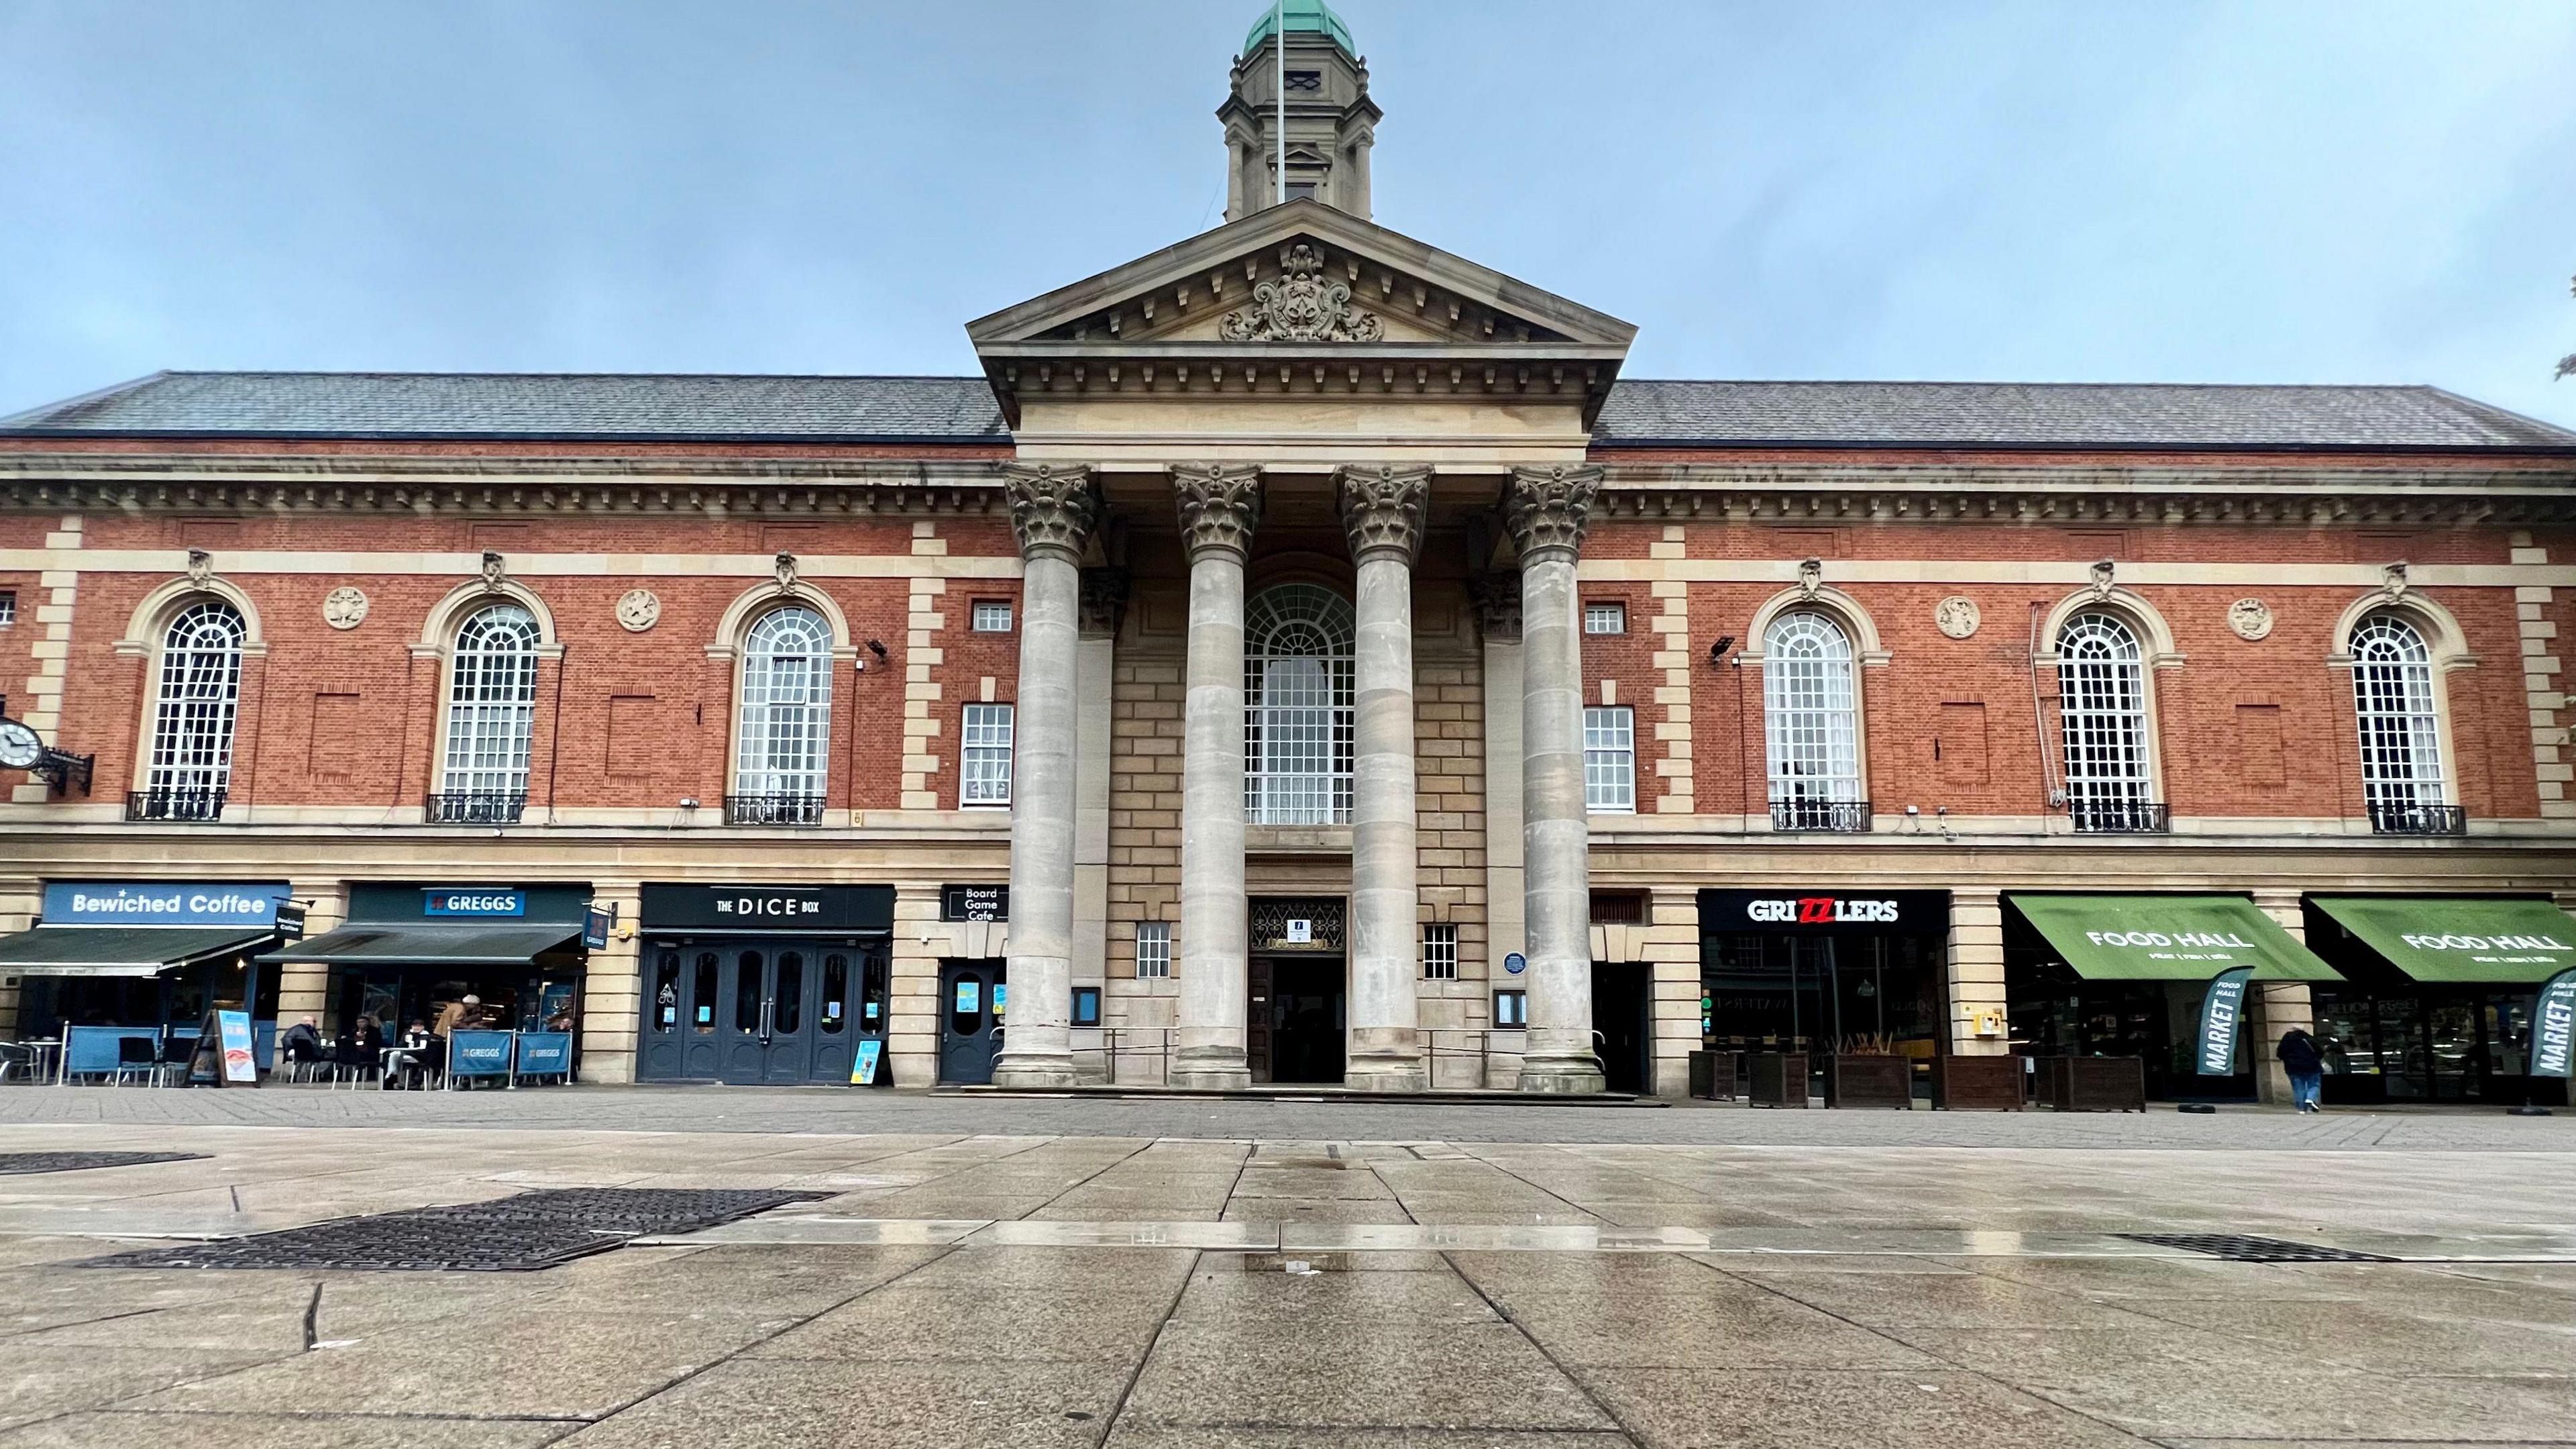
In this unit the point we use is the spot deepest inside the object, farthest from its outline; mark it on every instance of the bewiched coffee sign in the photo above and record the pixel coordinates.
(768, 908)
(1856, 911)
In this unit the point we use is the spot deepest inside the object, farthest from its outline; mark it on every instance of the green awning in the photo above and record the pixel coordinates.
(120, 950)
(2461, 938)
(2169, 938)
(403, 944)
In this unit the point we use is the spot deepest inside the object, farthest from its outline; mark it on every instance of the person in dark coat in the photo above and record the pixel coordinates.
(2306, 1066)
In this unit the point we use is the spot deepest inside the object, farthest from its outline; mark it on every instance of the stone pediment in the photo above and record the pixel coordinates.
(1306, 287)
(1329, 278)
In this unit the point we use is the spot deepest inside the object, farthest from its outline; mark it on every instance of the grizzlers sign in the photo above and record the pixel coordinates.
(1812, 912)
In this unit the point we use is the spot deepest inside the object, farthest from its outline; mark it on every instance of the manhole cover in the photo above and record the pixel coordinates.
(74, 1161)
(507, 1235)
(2242, 1248)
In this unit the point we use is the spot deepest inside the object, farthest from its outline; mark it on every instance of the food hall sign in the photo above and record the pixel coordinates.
(1794, 912)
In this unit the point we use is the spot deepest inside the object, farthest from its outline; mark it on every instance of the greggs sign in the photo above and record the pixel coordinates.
(1808, 912)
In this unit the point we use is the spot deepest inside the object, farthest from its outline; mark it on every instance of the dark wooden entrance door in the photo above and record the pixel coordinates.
(749, 1011)
(764, 1012)
(974, 998)
(1623, 1023)
(1306, 1019)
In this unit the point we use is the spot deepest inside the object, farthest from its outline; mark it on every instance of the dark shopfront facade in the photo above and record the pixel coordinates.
(408, 950)
(2125, 976)
(1824, 972)
(762, 983)
(2435, 1005)
(147, 953)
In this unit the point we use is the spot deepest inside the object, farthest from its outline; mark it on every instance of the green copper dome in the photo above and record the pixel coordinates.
(1305, 15)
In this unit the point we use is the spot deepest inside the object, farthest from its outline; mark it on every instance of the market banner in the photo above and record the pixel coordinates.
(2222, 1013)
(2553, 1027)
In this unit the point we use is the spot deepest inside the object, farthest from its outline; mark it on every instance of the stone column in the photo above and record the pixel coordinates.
(2278, 1005)
(1382, 512)
(1104, 603)
(1219, 506)
(1545, 508)
(1976, 972)
(1052, 508)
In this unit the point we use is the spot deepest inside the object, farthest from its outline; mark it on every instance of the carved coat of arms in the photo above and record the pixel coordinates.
(1300, 305)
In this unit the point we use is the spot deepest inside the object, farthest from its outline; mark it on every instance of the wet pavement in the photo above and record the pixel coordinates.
(995, 1284)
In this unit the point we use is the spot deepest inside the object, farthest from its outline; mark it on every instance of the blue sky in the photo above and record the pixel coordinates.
(2117, 190)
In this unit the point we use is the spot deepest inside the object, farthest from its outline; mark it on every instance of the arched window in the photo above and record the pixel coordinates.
(1297, 706)
(786, 719)
(2102, 708)
(491, 717)
(193, 710)
(2401, 726)
(1812, 723)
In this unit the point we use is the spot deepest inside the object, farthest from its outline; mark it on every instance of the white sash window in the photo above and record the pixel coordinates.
(491, 704)
(786, 705)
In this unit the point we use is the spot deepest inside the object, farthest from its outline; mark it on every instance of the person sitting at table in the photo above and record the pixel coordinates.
(366, 1045)
(302, 1042)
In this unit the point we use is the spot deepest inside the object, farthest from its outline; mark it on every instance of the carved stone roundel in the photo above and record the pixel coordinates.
(345, 607)
(639, 610)
(2250, 618)
(1956, 616)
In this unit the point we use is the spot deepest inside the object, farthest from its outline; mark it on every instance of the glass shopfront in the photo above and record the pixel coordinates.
(2437, 1002)
(763, 983)
(2125, 976)
(1841, 972)
(157, 954)
(410, 952)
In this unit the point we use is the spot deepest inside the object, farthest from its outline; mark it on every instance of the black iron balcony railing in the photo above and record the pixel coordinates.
(176, 802)
(773, 809)
(2120, 817)
(477, 807)
(1849, 817)
(2394, 819)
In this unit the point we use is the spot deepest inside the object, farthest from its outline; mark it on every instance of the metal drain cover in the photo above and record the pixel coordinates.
(74, 1161)
(518, 1234)
(2244, 1248)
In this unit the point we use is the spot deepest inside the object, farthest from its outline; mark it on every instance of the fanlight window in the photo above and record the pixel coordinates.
(2401, 731)
(1809, 717)
(786, 705)
(492, 703)
(1297, 706)
(194, 707)
(2102, 709)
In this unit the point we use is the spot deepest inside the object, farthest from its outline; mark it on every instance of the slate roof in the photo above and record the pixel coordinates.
(714, 408)
(643, 407)
(2100, 415)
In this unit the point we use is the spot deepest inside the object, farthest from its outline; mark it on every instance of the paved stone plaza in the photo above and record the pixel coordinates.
(1314, 1274)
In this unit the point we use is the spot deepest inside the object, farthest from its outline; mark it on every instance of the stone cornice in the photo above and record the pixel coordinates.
(1787, 493)
(359, 484)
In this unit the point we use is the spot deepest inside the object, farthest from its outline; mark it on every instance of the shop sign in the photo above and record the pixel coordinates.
(595, 926)
(768, 908)
(474, 901)
(233, 1028)
(975, 903)
(2553, 1027)
(1796, 912)
(164, 903)
(2222, 1012)
(863, 1067)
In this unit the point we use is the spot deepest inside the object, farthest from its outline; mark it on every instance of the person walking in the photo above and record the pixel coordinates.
(2306, 1066)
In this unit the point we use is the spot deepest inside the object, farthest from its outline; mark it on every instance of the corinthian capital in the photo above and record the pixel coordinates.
(1382, 509)
(1497, 597)
(1546, 508)
(1053, 507)
(1220, 505)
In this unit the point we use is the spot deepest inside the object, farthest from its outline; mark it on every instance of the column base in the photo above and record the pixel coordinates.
(1209, 1069)
(1037, 1070)
(1562, 1076)
(1383, 1059)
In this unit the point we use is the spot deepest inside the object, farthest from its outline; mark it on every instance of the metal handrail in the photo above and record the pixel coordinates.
(2120, 817)
(477, 807)
(1843, 816)
(177, 802)
(773, 809)
(2386, 819)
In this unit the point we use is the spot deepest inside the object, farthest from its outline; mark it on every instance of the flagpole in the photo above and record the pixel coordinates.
(1279, 90)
